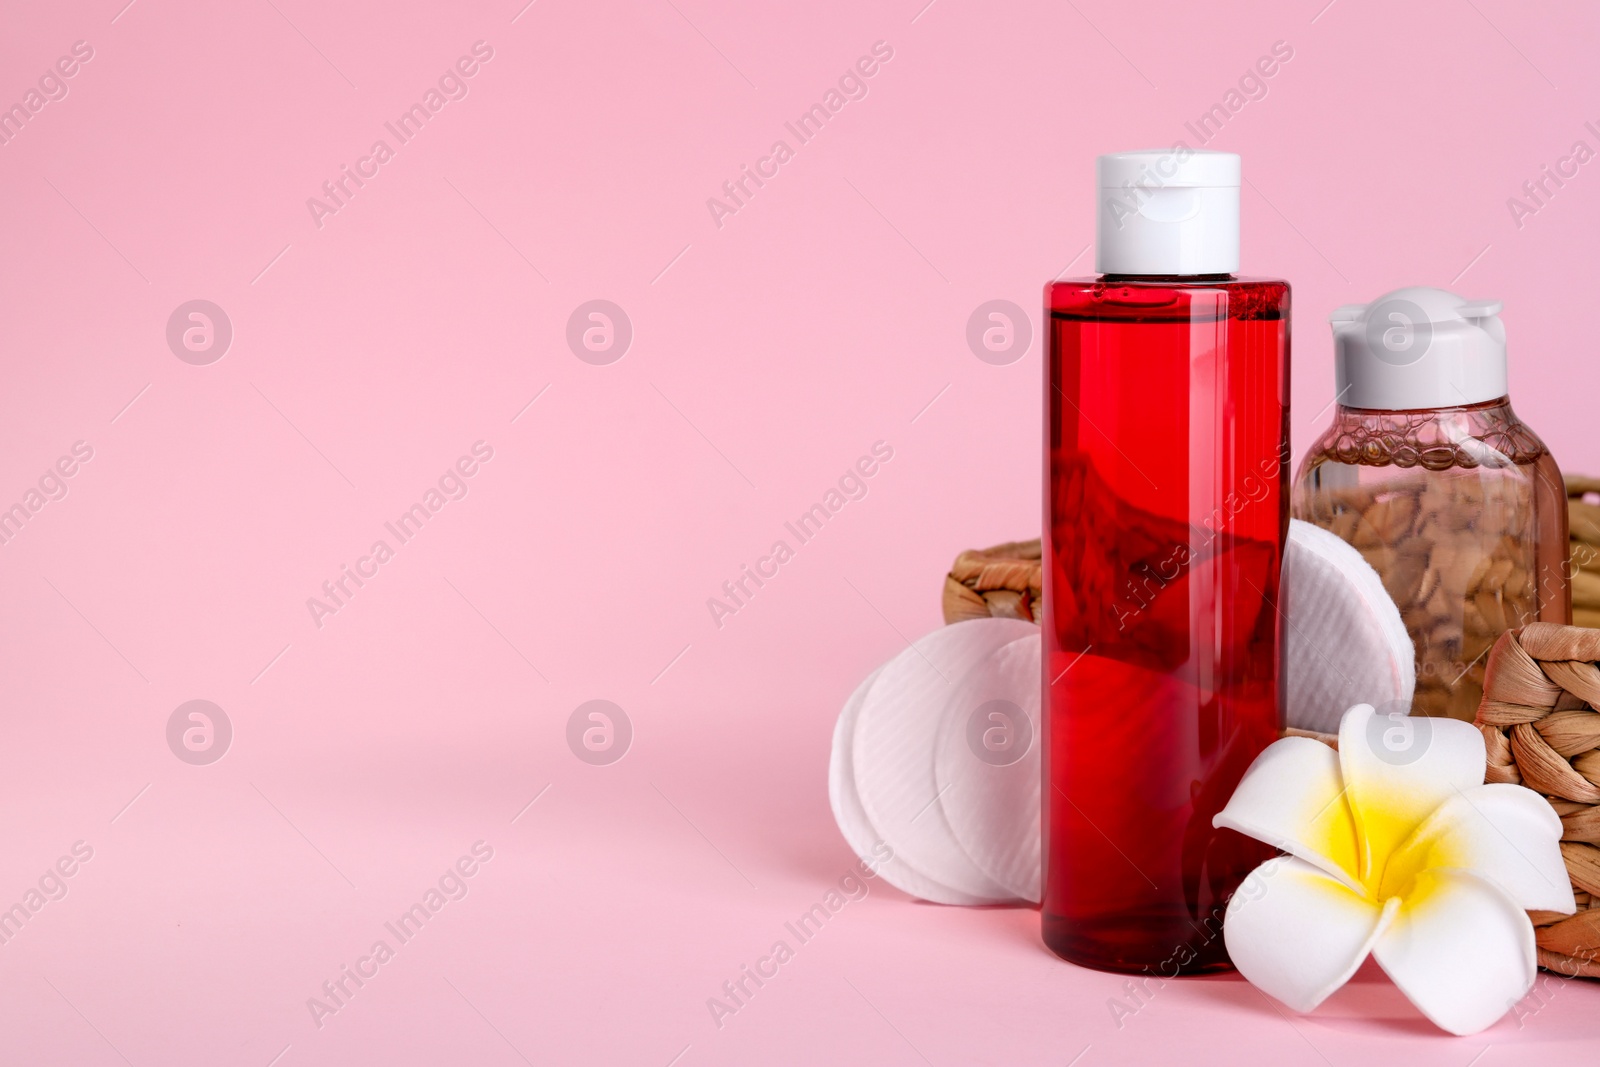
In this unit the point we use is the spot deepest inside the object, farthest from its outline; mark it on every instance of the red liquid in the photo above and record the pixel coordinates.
(1167, 507)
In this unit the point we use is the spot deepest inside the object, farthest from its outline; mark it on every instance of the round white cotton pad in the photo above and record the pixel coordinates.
(1343, 641)
(987, 765)
(858, 830)
(897, 728)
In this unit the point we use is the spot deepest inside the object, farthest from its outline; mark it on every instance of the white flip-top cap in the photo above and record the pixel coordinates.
(1419, 348)
(1167, 211)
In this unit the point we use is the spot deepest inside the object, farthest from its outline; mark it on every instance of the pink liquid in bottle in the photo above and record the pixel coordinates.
(1166, 512)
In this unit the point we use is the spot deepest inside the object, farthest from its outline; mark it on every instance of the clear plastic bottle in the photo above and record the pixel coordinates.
(1428, 472)
(1166, 511)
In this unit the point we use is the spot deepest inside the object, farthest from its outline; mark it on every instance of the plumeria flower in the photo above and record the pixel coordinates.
(1396, 849)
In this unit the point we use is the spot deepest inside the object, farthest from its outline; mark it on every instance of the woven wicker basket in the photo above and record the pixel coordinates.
(1542, 728)
(1540, 719)
(1005, 581)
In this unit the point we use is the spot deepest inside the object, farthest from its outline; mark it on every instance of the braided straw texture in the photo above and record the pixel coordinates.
(1542, 729)
(1004, 582)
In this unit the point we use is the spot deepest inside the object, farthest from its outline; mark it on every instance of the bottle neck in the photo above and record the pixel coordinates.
(1346, 411)
(1166, 279)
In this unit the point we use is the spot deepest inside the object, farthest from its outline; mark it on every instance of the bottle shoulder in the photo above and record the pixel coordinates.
(1128, 297)
(1480, 435)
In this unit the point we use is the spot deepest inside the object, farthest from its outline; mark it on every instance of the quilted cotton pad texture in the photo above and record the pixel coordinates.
(859, 833)
(896, 731)
(987, 766)
(1344, 642)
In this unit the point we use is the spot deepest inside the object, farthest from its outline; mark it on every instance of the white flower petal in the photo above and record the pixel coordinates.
(1297, 934)
(1397, 769)
(1292, 798)
(1507, 834)
(1460, 949)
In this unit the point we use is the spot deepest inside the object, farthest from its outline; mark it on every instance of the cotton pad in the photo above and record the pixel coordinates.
(1343, 641)
(987, 766)
(858, 830)
(896, 731)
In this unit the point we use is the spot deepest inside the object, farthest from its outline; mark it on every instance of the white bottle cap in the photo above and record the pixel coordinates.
(1418, 348)
(1167, 211)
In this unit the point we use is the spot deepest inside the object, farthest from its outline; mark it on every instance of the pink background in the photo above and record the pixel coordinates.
(369, 353)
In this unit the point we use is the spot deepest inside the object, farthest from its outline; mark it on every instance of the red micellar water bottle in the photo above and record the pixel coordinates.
(1166, 508)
